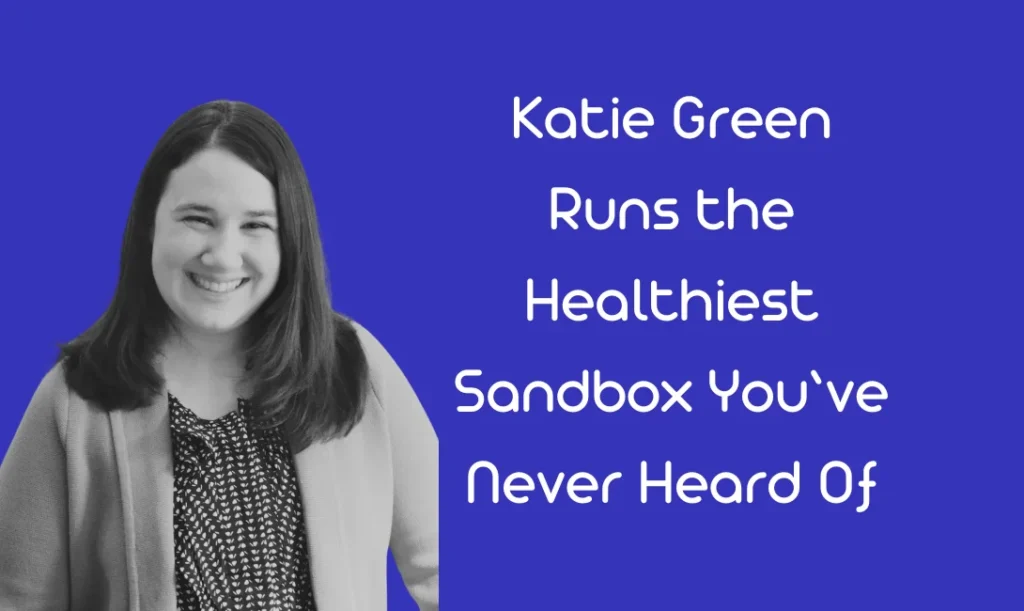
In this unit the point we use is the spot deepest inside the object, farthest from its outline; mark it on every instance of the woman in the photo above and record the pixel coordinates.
(220, 438)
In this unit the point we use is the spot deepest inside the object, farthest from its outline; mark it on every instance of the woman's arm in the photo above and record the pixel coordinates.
(33, 505)
(414, 450)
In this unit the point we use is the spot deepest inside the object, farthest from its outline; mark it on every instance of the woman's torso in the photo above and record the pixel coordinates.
(239, 538)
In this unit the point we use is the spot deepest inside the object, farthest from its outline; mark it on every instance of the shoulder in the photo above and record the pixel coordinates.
(386, 381)
(379, 361)
(377, 355)
(50, 400)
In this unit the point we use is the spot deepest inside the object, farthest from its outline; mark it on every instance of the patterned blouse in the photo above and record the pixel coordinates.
(239, 534)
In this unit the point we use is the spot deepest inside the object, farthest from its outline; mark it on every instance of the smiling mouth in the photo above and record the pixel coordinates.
(215, 287)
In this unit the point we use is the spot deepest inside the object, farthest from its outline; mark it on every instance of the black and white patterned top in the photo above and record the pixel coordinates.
(239, 534)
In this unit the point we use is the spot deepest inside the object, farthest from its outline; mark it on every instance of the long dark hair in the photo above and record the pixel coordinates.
(304, 361)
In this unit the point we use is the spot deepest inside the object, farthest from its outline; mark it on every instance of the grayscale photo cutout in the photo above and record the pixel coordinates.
(221, 437)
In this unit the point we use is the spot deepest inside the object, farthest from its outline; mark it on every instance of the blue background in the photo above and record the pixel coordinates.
(433, 217)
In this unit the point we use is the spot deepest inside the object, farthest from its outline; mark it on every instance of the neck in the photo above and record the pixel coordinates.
(204, 354)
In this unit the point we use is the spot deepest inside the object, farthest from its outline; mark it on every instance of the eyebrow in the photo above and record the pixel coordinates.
(194, 207)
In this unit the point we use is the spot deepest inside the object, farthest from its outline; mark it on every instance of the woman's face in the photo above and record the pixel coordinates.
(216, 255)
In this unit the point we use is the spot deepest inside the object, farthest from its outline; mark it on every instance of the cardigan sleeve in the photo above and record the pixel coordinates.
(33, 504)
(415, 464)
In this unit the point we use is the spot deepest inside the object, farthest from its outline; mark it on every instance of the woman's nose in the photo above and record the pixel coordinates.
(224, 252)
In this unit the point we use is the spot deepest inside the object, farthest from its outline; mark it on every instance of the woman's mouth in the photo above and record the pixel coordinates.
(207, 284)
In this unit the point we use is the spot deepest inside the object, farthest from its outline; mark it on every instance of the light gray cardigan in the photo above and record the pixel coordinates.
(86, 503)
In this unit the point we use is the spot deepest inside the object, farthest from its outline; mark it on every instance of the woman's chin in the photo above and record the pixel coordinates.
(214, 323)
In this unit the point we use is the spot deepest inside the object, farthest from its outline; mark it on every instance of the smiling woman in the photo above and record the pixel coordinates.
(216, 255)
(220, 437)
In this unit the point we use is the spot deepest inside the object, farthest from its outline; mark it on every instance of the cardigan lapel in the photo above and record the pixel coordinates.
(142, 439)
(330, 567)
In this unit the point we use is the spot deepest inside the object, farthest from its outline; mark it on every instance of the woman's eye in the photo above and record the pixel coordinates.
(197, 219)
(257, 226)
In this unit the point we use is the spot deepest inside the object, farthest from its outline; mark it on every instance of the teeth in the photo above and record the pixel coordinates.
(216, 287)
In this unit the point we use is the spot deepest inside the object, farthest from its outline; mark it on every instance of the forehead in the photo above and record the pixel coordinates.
(219, 179)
